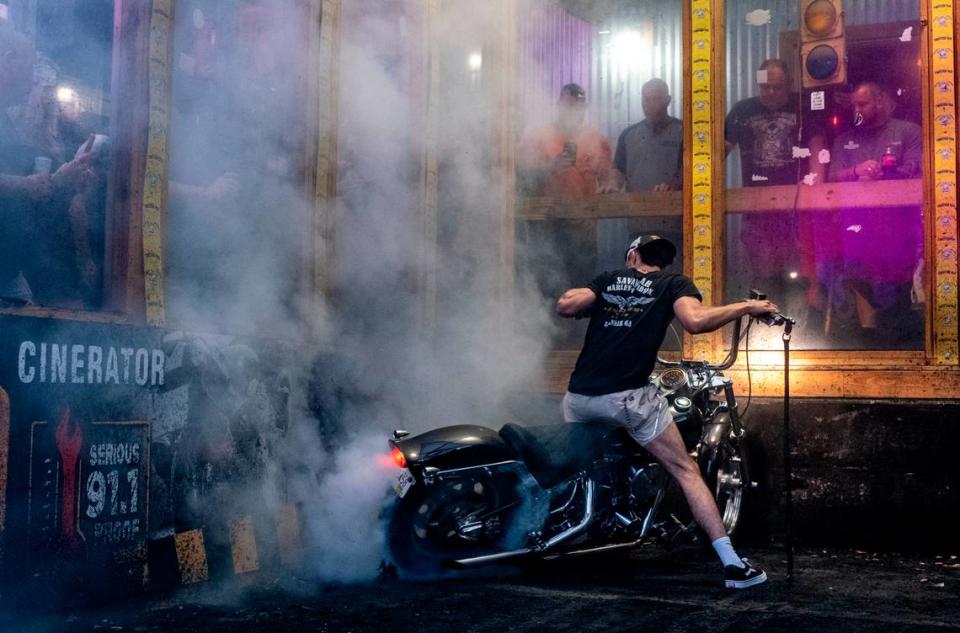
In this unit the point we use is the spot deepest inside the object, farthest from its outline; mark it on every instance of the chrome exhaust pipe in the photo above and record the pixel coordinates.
(556, 540)
(647, 521)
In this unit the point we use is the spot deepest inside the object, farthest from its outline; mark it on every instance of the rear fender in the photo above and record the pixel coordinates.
(457, 446)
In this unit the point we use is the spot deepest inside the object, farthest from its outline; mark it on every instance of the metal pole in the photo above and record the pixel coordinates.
(787, 473)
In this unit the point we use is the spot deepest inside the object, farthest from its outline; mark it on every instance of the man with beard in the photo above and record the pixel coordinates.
(859, 153)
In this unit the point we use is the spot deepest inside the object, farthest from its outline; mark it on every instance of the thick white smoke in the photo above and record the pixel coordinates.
(401, 373)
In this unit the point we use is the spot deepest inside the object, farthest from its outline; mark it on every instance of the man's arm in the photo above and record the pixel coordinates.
(620, 156)
(912, 153)
(729, 131)
(697, 318)
(575, 301)
(34, 187)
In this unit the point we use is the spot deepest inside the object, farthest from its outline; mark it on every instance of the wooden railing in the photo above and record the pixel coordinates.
(826, 197)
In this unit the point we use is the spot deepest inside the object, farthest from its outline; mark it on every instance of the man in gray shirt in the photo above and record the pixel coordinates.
(650, 153)
(878, 146)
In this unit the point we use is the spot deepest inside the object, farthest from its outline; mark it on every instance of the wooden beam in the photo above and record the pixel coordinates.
(815, 375)
(831, 196)
(825, 198)
(130, 105)
(505, 78)
(327, 82)
(429, 211)
(614, 205)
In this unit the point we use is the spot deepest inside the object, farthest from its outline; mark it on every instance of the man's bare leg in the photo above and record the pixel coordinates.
(669, 450)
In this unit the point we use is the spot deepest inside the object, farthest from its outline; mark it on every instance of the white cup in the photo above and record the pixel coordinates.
(42, 165)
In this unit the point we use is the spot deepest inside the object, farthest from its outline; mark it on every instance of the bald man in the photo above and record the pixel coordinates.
(857, 154)
(649, 154)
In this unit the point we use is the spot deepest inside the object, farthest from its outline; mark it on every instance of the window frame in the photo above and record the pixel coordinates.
(934, 371)
(123, 296)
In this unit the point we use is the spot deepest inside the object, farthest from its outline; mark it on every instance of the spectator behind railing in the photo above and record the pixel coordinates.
(878, 146)
(565, 158)
(29, 193)
(765, 128)
(650, 153)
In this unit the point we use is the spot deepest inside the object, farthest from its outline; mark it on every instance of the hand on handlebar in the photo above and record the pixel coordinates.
(761, 307)
(767, 311)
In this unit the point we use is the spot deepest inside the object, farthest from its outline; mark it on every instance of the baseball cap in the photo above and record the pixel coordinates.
(653, 244)
(573, 94)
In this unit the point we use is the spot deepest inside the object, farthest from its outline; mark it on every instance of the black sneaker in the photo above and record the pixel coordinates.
(743, 577)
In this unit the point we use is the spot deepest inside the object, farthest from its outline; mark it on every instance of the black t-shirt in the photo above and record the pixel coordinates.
(766, 139)
(627, 324)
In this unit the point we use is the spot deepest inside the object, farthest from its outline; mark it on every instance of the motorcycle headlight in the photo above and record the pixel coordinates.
(673, 378)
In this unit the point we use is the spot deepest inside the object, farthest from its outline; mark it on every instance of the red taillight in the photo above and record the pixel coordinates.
(835, 120)
(398, 457)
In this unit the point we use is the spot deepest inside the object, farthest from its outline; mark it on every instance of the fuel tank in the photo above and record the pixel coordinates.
(454, 447)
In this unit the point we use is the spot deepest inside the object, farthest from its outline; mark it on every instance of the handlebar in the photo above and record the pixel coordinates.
(774, 319)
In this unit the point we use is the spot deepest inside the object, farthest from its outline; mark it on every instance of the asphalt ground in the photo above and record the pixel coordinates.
(650, 589)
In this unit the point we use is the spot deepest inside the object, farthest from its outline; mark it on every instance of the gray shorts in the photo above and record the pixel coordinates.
(643, 412)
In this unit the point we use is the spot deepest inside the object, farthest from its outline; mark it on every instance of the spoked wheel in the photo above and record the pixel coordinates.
(728, 491)
(448, 521)
(725, 475)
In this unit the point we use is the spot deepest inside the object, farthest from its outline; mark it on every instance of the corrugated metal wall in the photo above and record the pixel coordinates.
(612, 60)
(555, 49)
(634, 47)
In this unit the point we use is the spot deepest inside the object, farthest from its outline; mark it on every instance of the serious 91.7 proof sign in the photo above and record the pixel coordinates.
(113, 484)
(90, 483)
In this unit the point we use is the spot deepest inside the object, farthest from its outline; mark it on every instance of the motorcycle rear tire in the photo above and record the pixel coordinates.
(422, 535)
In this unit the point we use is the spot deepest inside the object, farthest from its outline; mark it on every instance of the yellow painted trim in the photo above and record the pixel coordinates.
(702, 128)
(289, 539)
(191, 556)
(155, 174)
(243, 546)
(945, 313)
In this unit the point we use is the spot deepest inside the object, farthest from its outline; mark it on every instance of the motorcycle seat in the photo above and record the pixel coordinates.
(554, 452)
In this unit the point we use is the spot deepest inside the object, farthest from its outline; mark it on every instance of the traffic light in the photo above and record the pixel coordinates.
(823, 50)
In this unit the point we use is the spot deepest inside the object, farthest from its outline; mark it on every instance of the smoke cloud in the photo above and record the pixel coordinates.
(382, 362)
(272, 400)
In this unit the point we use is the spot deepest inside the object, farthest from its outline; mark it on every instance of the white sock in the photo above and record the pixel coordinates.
(728, 555)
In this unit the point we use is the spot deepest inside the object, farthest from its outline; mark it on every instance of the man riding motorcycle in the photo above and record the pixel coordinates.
(630, 310)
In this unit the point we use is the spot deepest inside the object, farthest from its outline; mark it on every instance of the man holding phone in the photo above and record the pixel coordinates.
(565, 158)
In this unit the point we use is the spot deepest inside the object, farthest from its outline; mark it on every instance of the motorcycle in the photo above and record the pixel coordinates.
(469, 495)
